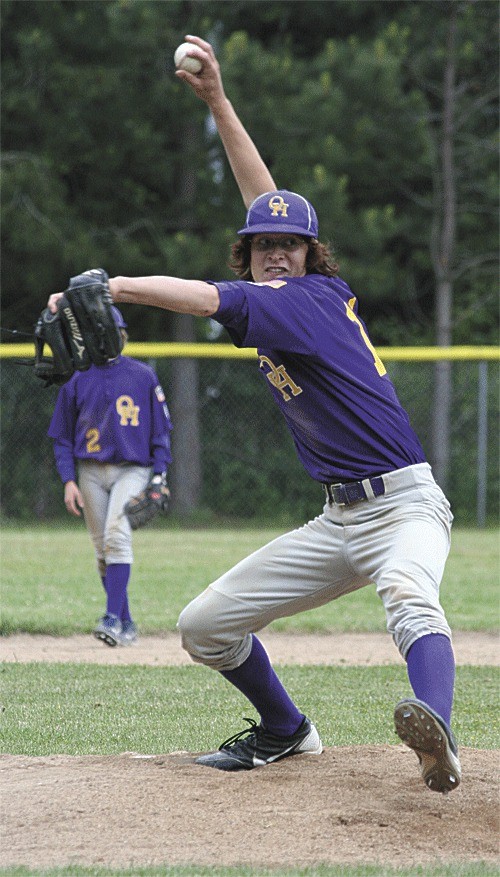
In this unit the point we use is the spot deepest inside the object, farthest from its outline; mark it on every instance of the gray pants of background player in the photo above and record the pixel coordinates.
(399, 541)
(105, 488)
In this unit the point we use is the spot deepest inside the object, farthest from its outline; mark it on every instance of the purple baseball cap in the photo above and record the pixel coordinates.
(118, 318)
(281, 212)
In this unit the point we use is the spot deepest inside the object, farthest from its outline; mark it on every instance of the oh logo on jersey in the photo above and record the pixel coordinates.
(279, 378)
(278, 205)
(129, 413)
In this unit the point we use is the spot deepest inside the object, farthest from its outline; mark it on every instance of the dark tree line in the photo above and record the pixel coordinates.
(384, 116)
(108, 159)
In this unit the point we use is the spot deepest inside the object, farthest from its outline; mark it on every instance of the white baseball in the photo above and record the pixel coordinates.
(182, 60)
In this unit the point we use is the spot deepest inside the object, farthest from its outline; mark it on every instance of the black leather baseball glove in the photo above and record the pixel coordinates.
(150, 502)
(58, 368)
(82, 331)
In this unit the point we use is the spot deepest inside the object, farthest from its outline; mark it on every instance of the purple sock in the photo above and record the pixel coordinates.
(431, 670)
(125, 613)
(117, 576)
(256, 679)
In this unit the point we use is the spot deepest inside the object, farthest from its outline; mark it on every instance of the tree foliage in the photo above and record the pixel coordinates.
(101, 145)
(108, 160)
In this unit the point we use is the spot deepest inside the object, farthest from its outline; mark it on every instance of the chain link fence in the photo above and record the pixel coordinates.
(248, 469)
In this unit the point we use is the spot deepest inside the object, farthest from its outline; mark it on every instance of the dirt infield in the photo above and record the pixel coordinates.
(361, 649)
(349, 805)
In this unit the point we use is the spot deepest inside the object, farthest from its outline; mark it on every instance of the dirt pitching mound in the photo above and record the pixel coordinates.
(348, 805)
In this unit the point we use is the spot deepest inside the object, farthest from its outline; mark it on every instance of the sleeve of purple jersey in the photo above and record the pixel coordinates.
(65, 461)
(62, 431)
(267, 315)
(161, 428)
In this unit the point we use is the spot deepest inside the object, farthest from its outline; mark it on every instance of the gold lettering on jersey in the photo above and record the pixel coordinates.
(278, 205)
(92, 436)
(279, 378)
(379, 365)
(129, 413)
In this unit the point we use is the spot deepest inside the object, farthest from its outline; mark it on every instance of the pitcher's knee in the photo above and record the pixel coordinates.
(412, 609)
(209, 637)
(200, 628)
(407, 631)
(192, 628)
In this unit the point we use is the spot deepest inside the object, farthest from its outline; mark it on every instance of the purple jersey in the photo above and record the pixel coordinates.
(112, 413)
(314, 352)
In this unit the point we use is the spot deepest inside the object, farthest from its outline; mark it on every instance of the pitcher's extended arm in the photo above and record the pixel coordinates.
(172, 293)
(250, 172)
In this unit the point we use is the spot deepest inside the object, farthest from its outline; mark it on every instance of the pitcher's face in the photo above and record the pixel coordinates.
(277, 255)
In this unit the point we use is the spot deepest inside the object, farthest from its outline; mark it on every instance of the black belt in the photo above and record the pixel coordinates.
(354, 491)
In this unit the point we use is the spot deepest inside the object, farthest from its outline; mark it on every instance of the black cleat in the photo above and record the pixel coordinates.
(426, 733)
(259, 747)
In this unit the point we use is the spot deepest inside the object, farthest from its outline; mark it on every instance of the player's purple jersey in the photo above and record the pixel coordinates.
(113, 413)
(314, 351)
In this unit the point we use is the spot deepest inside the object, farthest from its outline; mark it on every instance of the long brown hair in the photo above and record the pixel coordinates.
(319, 259)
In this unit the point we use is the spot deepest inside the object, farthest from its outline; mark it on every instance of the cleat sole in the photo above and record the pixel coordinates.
(420, 731)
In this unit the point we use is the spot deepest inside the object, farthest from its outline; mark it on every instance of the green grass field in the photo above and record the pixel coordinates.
(458, 870)
(88, 709)
(50, 585)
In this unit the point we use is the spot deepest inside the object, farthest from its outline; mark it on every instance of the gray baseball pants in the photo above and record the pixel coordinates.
(105, 488)
(398, 541)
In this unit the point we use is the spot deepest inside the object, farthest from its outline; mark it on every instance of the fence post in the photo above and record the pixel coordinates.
(482, 443)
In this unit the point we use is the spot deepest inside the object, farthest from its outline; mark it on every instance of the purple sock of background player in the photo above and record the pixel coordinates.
(431, 670)
(256, 679)
(117, 576)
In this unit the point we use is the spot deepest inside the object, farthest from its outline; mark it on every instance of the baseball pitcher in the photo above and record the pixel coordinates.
(384, 520)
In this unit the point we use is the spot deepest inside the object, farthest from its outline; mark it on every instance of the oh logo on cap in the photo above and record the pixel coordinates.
(278, 205)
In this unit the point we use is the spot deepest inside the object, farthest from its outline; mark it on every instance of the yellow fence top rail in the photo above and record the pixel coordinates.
(163, 349)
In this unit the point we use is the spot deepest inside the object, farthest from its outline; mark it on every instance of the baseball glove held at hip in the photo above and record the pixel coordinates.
(81, 332)
(150, 502)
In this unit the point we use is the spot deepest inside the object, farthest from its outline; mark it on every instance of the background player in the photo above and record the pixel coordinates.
(385, 519)
(111, 422)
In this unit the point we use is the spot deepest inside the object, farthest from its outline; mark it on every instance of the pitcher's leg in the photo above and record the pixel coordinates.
(257, 680)
(298, 571)
(301, 570)
(415, 617)
(431, 671)
(405, 556)
(415, 547)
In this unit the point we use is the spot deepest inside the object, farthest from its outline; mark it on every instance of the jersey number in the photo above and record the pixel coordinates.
(93, 446)
(379, 365)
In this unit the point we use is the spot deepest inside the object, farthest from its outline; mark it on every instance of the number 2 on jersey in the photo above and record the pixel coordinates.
(377, 362)
(92, 436)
